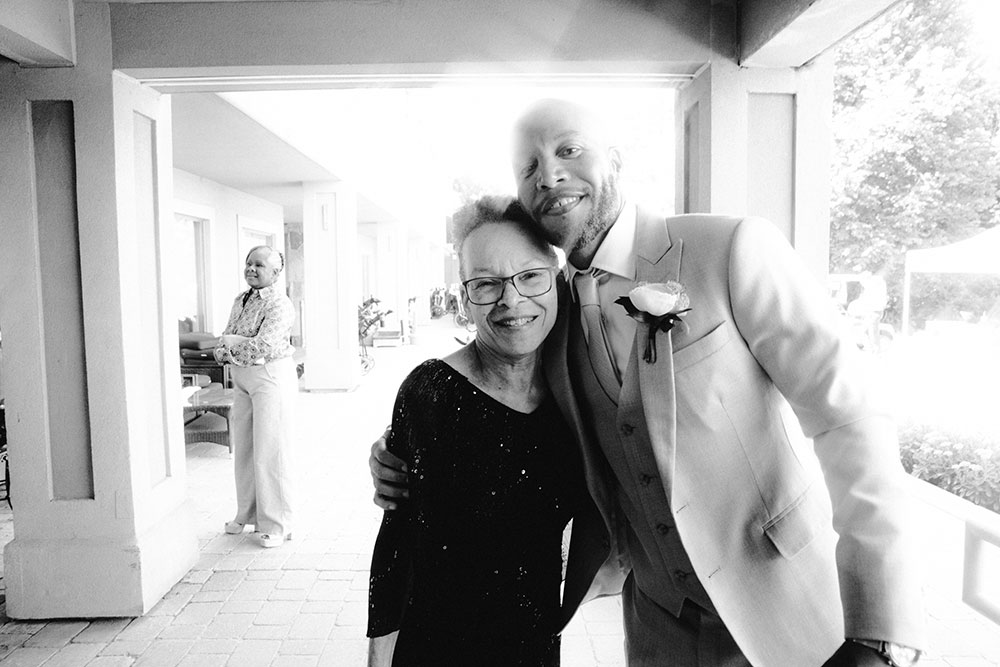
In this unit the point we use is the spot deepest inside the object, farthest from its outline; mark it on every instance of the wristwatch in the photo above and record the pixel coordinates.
(895, 655)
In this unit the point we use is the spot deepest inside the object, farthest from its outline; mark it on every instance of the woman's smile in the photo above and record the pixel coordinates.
(514, 322)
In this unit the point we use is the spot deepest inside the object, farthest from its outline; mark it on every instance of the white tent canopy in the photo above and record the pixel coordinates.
(979, 254)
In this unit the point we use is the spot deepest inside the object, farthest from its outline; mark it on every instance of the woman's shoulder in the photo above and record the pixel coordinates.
(431, 387)
(427, 375)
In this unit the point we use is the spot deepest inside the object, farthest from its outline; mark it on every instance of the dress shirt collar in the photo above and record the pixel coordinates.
(265, 292)
(616, 254)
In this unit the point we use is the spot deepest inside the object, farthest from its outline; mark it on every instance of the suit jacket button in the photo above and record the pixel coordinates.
(680, 575)
(645, 479)
(662, 528)
(627, 429)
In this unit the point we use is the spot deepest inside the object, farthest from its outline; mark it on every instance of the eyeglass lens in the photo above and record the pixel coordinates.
(488, 290)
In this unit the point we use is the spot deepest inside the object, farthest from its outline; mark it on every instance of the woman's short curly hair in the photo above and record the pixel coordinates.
(496, 209)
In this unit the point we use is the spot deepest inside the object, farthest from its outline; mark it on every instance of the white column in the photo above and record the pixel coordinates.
(757, 142)
(390, 271)
(425, 268)
(90, 351)
(330, 299)
(404, 282)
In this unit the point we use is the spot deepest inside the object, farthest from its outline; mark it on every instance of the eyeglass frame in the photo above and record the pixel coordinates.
(551, 270)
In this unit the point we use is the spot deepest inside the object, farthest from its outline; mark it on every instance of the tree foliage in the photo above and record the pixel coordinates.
(917, 143)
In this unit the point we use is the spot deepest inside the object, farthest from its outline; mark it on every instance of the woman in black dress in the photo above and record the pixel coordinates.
(468, 570)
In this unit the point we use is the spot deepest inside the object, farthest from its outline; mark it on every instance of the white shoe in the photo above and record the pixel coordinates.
(268, 540)
(234, 527)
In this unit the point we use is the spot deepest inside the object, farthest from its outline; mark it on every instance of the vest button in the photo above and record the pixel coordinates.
(645, 479)
(627, 429)
(662, 528)
(680, 575)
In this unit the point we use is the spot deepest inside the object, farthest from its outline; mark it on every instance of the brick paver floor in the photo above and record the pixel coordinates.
(304, 604)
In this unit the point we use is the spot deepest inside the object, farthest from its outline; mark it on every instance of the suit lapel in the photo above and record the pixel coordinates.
(658, 260)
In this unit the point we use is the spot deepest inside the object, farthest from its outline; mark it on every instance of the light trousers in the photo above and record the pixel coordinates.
(656, 638)
(263, 436)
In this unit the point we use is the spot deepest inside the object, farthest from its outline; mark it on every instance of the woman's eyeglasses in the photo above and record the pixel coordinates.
(487, 290)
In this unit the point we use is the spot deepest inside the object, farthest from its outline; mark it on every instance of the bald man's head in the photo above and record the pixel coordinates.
(566, 167)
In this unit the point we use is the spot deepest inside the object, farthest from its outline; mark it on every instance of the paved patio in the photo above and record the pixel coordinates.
(305, 603)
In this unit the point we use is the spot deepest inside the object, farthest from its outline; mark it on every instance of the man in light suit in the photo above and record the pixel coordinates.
(743, 544)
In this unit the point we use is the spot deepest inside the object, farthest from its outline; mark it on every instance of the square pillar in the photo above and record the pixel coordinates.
(330, 292)
(758, 142)
(93, 388)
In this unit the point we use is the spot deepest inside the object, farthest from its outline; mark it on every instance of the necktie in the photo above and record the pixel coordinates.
(598, 346)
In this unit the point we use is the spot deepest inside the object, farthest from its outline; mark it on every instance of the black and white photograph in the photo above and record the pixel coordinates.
(530, 333)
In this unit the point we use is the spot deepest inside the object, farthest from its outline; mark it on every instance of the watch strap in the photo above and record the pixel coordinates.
(884, 649)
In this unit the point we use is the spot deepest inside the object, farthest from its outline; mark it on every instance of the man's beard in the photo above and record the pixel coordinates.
(604, 214)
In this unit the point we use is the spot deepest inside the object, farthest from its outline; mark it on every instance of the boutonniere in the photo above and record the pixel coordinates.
(660, 305)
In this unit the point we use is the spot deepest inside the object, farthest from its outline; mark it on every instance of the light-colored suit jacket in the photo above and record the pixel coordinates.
(797, 546)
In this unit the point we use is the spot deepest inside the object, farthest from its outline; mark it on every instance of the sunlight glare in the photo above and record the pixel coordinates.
(405, 148)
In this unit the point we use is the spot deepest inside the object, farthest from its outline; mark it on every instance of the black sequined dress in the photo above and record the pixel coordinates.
(469, 571)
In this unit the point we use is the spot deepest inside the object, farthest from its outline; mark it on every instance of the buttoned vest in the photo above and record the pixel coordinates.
(659, 563)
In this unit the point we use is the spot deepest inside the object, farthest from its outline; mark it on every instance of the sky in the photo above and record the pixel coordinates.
(987, 15)
(404, 148)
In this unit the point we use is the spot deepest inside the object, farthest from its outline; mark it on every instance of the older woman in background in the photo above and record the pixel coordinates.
(256, 344)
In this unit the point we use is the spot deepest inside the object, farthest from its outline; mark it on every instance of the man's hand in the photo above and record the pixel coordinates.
(852, 654)
(389, 475)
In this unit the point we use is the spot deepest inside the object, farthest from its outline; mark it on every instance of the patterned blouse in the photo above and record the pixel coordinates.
(265, 316)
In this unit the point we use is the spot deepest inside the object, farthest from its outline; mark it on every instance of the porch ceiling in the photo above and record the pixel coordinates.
(790, 33)
(215, 140)
(153, 36)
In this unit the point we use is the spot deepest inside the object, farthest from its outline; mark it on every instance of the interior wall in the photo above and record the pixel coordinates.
(224, 263)
(295, 275)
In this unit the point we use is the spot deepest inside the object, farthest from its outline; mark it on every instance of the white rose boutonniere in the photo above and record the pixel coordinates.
(660, 305)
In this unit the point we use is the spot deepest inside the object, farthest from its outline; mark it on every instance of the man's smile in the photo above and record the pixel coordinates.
(560, 205)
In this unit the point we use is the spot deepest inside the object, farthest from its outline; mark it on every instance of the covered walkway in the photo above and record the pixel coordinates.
(305, 603)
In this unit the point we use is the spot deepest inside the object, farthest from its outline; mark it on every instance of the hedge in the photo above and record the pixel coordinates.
(963, 464)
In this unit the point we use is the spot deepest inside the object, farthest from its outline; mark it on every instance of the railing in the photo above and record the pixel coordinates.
(981, 560)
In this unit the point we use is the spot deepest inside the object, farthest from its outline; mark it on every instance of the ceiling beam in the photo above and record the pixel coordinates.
(790, 33)
(38, 33)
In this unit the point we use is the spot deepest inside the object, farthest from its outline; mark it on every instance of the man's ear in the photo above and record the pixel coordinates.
(616, 158)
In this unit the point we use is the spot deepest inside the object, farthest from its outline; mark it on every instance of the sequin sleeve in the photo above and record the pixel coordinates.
(391, 569)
